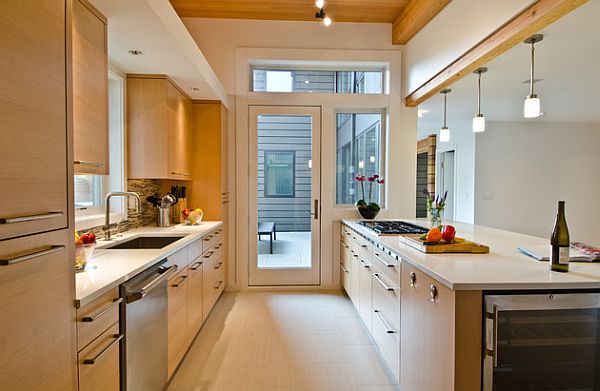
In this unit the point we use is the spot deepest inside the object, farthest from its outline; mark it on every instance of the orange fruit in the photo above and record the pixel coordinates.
(434, 235)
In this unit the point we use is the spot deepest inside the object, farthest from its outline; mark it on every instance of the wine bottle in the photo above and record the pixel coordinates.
(559, 261)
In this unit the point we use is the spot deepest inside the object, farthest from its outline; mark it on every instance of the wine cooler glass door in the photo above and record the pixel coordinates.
(542, 342)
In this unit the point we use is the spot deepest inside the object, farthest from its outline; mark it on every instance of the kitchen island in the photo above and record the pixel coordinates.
(451, 313)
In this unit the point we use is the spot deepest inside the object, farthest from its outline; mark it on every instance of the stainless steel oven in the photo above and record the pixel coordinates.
(542, 342)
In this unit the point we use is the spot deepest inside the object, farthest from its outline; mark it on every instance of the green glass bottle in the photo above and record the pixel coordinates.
(559, 262)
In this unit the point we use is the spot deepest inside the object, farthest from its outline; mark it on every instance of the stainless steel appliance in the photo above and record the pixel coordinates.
(144, 324)
(542, 342)
(393, 227)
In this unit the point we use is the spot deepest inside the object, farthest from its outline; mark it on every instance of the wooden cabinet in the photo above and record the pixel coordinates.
(37, 313)
(90, 90)
(441, 335)
(98, 343)
(194, 299)
(33, 127)
(177, 319)
(160, 138)
(213, 277)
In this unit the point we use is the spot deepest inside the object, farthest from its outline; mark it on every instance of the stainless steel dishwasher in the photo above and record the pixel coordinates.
(144, 324)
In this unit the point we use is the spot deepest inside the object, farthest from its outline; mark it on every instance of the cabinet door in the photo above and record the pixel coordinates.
(33, 125)
(365, 304)
(177, 322)
(37, 313)
(194, 302)
(179, 134)
(90, 90)
(99, 362)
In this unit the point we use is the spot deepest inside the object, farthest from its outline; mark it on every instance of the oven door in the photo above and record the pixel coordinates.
(542, 342)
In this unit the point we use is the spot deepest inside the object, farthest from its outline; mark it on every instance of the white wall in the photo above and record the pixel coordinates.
(525, 168)
(457, 28)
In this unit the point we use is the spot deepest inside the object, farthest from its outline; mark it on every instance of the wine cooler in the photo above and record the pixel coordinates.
(542, 342)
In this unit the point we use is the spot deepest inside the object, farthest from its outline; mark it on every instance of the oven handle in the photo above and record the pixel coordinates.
(138, 295)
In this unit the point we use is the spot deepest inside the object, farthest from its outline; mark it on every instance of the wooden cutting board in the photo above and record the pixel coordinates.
(467, 247)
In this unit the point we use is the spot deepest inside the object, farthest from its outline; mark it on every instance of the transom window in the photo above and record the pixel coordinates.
(318, 81)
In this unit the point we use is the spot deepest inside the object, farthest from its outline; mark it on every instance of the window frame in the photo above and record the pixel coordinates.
(266, 169)
(383, 136)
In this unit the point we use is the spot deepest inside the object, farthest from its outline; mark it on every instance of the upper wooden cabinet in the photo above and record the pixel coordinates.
(160, 129)
(33, 112)
(90, 90)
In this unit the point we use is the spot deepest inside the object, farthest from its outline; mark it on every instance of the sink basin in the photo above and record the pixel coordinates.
(145, 242)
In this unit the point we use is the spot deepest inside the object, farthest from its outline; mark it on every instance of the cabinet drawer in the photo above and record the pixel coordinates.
(211, 240)
(211, 258)
(388, 265)
(179, 258)
(94, 318)
(386, 299)
(98, 363)
(177, 319)
(387, 338)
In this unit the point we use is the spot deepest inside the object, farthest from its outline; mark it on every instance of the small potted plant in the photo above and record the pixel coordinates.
(368, 209)
(435, 207)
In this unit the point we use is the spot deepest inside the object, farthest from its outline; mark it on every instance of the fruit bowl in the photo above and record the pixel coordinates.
(83, 253)
(195, 217)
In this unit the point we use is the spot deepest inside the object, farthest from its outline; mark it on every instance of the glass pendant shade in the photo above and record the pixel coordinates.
(444, 134)
(479, 123)
(532, 107)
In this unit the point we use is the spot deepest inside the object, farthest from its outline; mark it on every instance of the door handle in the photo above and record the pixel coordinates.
(316, 209)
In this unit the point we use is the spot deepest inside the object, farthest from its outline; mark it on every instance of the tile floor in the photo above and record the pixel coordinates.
(291, 249)
(283, 341)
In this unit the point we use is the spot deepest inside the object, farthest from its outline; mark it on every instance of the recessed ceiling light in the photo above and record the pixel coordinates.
(194, 88)
(320, 3)
(135, 52)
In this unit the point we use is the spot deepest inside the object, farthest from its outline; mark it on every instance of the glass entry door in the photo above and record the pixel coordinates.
(284, 195)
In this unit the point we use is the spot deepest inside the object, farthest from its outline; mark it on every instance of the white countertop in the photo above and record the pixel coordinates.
(110, 268)
(503, 268)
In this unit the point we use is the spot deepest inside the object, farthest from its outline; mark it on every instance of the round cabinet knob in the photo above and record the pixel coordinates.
(433, 293)
(413, 278)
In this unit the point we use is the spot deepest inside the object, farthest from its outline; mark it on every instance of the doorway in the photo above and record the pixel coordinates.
(446, 179)
(284, 195)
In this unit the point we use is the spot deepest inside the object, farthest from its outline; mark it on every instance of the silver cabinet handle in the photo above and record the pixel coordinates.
(218, 285)
(32, 255)
(345, 245)
(384, 323)
(344, 268)
(35, 217)
(209, 254)
(433, 293)
(364, 246)
(365, 264)
(219, 246)
(348, 233)
(103, 352)
(91, 164)
(139, 294)
(195, 266)
(98, 314)
(218, 265)
(383, 261)
(383, 284)
(208, 238)
(413, 279)
(181, 281)
(180, 173)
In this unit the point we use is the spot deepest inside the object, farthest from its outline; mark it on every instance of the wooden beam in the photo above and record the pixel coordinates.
(414, 17)
(534, 18)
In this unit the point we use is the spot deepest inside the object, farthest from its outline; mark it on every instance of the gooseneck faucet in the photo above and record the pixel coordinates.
(107, 202)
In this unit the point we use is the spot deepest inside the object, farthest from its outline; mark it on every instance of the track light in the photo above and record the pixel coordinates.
(532, 108)
(445, 132)
(320, 3)
(479, 119)
(323, 16)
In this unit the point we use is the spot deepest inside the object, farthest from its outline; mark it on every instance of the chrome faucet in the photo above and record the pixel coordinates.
(107, 201)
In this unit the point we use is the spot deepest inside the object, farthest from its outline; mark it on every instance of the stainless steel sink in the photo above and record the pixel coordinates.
(145, 242)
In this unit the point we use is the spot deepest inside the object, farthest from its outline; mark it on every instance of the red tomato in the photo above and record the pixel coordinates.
(448, 233)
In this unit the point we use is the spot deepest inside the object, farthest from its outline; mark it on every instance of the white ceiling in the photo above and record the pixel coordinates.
(567, 61)
(153, 27)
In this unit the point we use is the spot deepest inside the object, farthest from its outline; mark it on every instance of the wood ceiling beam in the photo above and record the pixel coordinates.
(534, 18)
(413, 18)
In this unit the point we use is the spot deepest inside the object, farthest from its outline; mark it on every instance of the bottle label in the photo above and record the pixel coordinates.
(563, 255)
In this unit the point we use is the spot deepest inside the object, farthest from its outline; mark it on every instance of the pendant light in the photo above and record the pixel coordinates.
(445, 132)
(479, 119)
(532, 103)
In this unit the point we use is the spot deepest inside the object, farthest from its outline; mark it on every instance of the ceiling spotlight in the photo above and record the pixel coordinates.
(320, 3)
(323, 16)
(135, 52)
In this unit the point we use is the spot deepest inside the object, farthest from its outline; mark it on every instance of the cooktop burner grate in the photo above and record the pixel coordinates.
(393, 227)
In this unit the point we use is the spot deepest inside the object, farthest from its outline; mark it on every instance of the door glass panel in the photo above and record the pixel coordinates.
(548, 350)
(284, 191)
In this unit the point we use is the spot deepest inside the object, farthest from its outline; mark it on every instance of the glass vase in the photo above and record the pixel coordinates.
(435, 216)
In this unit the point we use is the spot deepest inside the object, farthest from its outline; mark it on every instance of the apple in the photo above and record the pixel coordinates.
(448, 233)
(186, 212)
(88, 238)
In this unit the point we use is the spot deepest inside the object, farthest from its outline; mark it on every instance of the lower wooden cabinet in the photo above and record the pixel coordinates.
(195, 293)
(177, 292)
(99, 362)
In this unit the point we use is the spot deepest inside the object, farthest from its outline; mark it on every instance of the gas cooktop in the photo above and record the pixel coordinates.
(393, 227)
